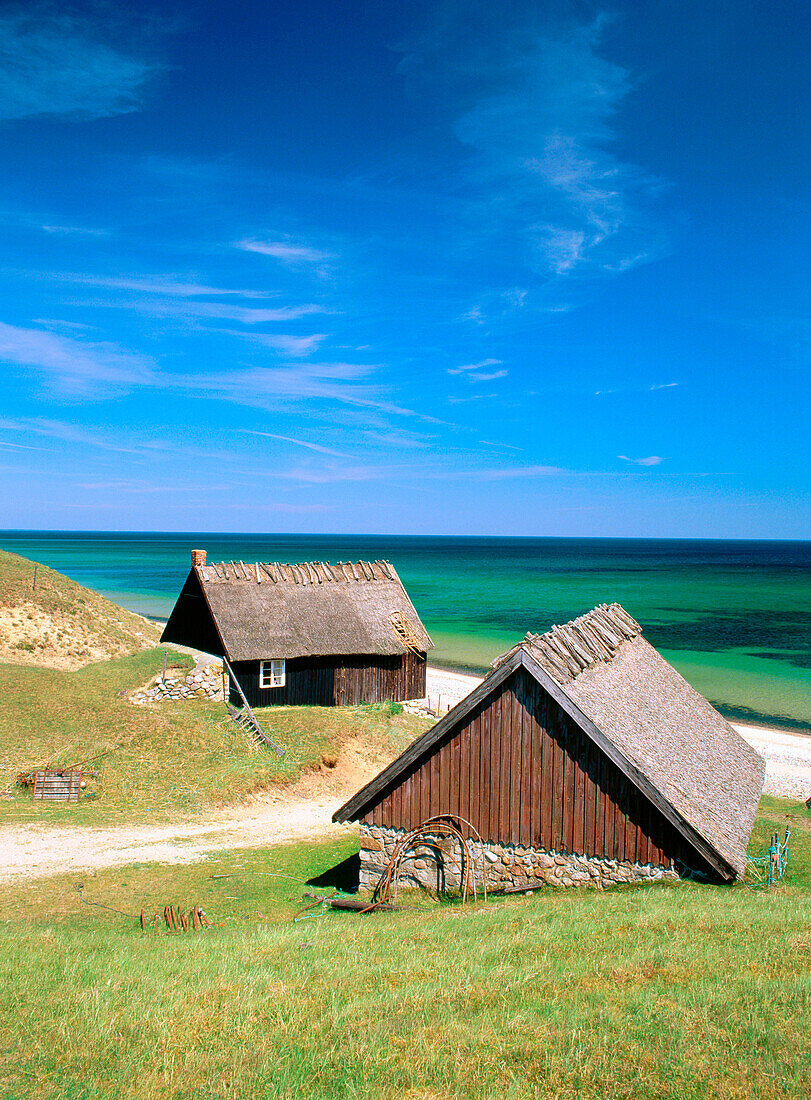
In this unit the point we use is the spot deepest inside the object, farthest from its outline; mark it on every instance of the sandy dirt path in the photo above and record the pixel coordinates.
(303, 813)
(34, 851)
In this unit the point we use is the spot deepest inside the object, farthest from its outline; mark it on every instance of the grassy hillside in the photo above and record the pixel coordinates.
(165, 758)
(676, 992)
(48, 620)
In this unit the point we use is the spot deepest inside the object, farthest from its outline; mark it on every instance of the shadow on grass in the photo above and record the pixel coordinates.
(343, 876)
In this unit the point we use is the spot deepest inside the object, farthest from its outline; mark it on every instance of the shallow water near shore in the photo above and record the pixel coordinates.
(734, 617)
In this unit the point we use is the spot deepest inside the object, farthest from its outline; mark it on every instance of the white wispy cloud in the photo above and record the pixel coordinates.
(651, 460)
(64, 432)
(248, 316)
(169, 286)
(474, 366)
(638, 389)
(473, 397)
(97, 370)
(327, 475)
(288, 252)
(273, 387)
(134, 486)
(75, 230)
(58, 64)
(538, 108)
(189, 309)
(75, 367)
(508, 446)
(507, 472)
(490, 377)
(298, 443)
(21, 446)
(295, 346)
(477, 372)
(57, 324)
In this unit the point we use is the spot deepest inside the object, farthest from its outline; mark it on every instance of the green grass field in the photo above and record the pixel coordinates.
(155, 762)
(667, 992)
(168, 758)
(681, 991)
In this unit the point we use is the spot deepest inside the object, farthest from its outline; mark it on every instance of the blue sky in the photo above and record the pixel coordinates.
(455, 268)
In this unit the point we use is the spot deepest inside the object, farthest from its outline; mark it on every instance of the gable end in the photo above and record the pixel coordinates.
(521, 763)
(192, 623)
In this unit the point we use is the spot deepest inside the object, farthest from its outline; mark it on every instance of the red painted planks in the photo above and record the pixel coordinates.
(464, 770)
(513, 718)
(547, 788)
(579, 823)
(495, 769)
(445, 780)
(569, 785)
(454, 748)
(425, 790)
(522, 772)
(599, 804)
(536, 745)
(630, 824)
(474, 796)
(557, 787)
(485, 776)
(610, 811)
(589, 799)
(505, 740)
(435, 794)
(525, 829)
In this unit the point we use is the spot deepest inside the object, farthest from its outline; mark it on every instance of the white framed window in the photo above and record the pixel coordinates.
(272, 673)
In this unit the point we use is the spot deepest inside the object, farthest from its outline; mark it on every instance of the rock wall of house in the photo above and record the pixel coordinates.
(204, 683)
(433, 862)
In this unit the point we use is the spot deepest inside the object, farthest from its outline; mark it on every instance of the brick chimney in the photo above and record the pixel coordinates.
(198, 557)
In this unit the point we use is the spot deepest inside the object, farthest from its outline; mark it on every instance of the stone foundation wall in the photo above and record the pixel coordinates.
(204, 683)
(499, 865)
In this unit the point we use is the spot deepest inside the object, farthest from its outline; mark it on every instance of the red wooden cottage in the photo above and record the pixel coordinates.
(301, 634)
(582, 758)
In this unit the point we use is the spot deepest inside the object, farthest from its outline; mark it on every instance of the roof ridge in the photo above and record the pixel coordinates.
(594, 638)
(305, 572)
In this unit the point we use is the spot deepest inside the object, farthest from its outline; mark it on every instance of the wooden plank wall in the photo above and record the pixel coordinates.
(331, 681)
(521, 771)
(376, 679)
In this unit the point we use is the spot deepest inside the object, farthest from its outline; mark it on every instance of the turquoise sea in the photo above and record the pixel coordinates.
(734, 617)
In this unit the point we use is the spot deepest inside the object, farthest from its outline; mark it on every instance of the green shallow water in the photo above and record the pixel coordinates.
(733, 617)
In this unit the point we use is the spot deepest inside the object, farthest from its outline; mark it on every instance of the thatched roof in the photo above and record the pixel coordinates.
(272, 609)
(665, 737)
(677, 740)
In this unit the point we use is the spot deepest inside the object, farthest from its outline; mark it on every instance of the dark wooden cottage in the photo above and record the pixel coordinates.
(582, 758)
(310, 633)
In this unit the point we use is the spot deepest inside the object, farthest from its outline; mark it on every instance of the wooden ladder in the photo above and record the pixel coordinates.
(405, 632)
(245, 716)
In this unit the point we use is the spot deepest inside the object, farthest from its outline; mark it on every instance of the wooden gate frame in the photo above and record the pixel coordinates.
(57, 784)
